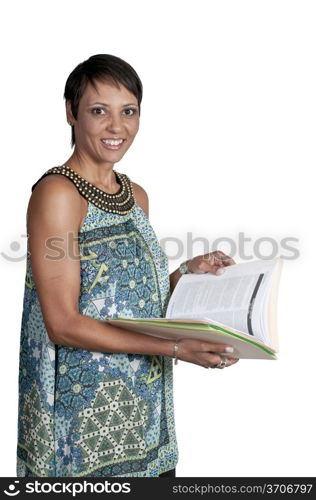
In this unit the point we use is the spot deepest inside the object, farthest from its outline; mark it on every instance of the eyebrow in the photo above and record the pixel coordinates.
(123, 106)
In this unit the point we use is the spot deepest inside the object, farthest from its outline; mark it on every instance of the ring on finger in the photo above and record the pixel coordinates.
(222, 364)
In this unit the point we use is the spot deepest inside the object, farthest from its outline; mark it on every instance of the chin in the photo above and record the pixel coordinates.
(113, 155)
(114, 158)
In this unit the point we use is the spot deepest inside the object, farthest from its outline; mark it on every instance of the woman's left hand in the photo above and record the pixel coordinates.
(213, 262)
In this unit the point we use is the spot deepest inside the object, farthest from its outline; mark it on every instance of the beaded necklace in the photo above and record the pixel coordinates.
(120, 203)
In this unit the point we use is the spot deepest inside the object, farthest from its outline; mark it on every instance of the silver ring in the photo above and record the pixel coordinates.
(222, 364)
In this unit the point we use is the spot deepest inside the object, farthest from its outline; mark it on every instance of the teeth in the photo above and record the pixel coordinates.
(111, 142)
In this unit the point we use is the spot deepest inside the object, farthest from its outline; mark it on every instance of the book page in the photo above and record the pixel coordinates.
(237, 298)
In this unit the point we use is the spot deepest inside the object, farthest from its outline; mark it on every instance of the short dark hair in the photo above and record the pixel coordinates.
(100, 67)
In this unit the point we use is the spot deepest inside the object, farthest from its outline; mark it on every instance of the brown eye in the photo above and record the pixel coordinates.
(97, 111)
(133, 111)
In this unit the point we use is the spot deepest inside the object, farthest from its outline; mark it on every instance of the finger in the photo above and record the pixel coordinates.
(218, 253)
(225, 260)
(216, 264)
(212, 268)
(225, 363)
(212, 265)
(212, 258)
(217, 348)
(228, 361)
(220, 270)
(221, 267)
(213, 360)
(228, 261)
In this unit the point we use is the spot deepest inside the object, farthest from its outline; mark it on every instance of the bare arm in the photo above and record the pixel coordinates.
(174, 278)
(54, 212)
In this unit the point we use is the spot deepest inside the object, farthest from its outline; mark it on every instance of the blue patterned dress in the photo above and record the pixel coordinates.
(97, 414)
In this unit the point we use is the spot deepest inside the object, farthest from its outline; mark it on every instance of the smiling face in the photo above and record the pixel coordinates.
(107, 122)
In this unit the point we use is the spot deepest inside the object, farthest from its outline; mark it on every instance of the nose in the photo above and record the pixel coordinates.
(115, 123)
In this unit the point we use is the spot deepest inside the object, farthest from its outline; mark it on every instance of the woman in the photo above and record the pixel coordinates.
(96, 400)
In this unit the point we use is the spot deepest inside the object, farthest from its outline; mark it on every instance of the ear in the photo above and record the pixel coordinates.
(70, 117)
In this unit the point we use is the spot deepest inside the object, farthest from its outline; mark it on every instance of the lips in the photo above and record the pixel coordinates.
(113, 144)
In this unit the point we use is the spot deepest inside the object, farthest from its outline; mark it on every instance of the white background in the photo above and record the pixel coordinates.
(226, 145)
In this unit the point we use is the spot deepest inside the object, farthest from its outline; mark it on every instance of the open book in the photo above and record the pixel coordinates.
(237, 308)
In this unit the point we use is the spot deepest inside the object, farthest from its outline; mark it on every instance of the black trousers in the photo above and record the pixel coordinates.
(169, 473)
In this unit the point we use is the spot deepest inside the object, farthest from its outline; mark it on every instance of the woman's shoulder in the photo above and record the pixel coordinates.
(54, 193)
(54, 182)
(141, 197)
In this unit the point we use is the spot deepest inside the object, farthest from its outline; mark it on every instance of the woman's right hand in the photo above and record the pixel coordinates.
(204, 353)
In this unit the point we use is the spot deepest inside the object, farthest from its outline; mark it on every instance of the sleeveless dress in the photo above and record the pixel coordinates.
(99, 414)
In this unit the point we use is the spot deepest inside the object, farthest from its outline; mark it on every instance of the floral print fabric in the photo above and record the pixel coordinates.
(84, 413)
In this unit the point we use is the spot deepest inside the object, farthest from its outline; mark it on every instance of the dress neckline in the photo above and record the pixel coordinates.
(118, 180)
(121, 202)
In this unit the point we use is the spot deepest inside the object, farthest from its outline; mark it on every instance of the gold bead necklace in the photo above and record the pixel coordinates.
(120, 203)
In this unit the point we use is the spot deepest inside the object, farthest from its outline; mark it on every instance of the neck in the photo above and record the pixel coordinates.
(99, 174)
